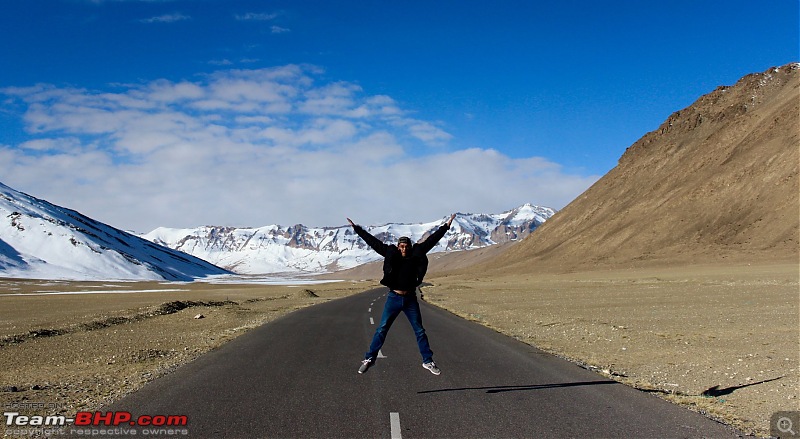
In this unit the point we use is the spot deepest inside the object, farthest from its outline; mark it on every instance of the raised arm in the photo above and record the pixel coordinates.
(372, 241)
(431, 240)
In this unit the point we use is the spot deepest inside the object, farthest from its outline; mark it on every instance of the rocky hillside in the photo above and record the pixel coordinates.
(717, 181)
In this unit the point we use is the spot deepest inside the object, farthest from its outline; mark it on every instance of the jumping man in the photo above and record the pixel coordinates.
(404, 266)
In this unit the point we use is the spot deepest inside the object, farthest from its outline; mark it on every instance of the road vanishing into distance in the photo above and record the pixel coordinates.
(296, 377)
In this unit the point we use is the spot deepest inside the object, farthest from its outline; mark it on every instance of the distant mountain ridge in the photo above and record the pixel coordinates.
(39, 240)
(300, 249)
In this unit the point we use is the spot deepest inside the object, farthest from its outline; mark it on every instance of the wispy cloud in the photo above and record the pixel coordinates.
(166, 18)
(255, 16)
(255, 147)
(128, 1)
(262, 16)
(428, 132)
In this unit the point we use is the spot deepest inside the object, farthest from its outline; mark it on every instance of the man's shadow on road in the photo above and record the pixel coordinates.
(501, 389)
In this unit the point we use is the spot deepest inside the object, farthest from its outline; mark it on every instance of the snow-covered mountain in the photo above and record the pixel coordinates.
(39, 240)
(299, 249)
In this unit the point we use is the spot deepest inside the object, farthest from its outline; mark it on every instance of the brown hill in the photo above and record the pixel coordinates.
(718, 181)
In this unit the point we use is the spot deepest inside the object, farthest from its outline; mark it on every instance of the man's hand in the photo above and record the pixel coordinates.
(450, 221)
(351, 222)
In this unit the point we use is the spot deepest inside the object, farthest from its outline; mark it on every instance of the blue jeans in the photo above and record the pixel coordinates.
(408, 304)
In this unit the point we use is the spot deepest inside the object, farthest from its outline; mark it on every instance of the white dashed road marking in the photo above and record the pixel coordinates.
(394, 420)
(371, 322)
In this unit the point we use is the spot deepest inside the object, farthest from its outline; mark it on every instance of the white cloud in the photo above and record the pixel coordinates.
(124, 1)
(64, 144)
(428, 133)
(163, 91)
(258, 147)
(166, 18)
(254, 16)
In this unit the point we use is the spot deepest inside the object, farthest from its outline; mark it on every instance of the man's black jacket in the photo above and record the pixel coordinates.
(392, 257)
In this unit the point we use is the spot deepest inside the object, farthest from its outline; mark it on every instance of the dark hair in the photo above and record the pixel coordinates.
(405, 239)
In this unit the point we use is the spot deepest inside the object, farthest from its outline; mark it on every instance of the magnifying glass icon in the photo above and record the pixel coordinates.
(784, 425)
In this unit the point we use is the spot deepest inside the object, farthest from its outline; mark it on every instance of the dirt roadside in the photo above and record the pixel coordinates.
(721, 340)
(64, 353)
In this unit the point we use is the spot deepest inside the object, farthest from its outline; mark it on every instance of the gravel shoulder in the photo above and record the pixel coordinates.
(64, 353)
(721, 340)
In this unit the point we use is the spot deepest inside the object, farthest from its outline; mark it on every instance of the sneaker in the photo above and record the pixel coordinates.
(431, 366)
(365, 364)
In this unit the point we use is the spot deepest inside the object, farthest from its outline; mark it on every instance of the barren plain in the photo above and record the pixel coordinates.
(723, 340)
(718, 339)
(64, 353)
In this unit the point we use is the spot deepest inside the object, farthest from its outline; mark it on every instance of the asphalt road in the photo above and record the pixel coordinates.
(297, 377)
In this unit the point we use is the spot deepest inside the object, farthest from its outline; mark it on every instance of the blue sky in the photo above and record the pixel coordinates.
(181, 113)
